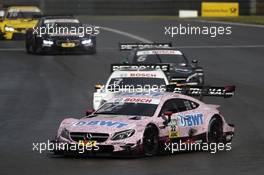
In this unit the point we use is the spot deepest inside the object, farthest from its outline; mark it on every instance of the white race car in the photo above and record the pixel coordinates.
(130, 80)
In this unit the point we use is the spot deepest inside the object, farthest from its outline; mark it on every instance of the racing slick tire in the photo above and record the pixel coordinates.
(150, 141)
(93, 51)
(215, 131)
(29, 48)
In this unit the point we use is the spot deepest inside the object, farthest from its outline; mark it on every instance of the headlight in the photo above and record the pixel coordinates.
(65, 134)
(123, 134)
(9, 29)
(46, 42)
(89, 41)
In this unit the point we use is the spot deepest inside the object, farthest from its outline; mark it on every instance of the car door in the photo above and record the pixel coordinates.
(185, 117)
(188, 119)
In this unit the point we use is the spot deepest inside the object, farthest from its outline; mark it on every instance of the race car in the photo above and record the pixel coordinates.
(130, 78)
(60, 34)
(182, 72)
(143, 123)
(17, 20)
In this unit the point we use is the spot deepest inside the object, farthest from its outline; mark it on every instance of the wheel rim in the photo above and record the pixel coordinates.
(150, 143)
(215, 132)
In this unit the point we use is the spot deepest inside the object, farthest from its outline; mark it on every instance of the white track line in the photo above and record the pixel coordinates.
(179, 47)
(230, 23)
(12, 49)
(126, 34)
(205, 47)
(104, 28)
(219, 46)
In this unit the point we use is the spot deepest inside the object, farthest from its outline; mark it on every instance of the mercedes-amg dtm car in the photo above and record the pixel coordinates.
(17, 20)
(138, 123)
(182, 72)
(60, 34)
(133, 78)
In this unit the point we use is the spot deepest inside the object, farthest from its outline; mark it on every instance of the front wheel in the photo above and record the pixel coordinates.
(93, 51)
(150, 141)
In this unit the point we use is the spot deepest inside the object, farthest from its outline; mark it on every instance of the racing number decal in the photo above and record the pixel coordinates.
(118, 81)
(141, 59)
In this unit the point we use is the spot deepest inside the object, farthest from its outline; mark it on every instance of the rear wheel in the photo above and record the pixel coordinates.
(93, 51)
(29, 48)
(215, 131)
(150, 141)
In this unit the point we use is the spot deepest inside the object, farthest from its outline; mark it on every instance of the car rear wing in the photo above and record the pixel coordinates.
(213, 91)
(54, 15)
(163, 67)
(130, 46)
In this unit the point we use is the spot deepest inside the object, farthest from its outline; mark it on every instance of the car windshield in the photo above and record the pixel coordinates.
(131, 83)
(21, 14)
(130, 109)
(64, 24)
(153, 58)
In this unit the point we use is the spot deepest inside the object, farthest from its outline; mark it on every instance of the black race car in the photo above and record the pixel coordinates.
(60, 34)
(181, 72)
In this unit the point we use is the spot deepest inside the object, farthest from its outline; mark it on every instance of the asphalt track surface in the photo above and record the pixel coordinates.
(37, 92)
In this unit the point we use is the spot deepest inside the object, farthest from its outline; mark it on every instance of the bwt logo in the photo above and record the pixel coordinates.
(100, 123)
(191, 120)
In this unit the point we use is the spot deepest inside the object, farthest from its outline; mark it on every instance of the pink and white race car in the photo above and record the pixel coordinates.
(138, 123)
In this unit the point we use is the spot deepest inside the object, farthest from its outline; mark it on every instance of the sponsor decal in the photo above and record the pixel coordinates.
(160, 52)
(190, 119)
(138, 74)
(222, 9)
(130, 46)
(87, 143)
(138, 100)
(162, 67)
(173, 133)
(101, 123)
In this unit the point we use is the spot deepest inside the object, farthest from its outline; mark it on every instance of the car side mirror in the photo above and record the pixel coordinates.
(89, 112)
(2, 14)
(167, 117)
(124, 61)
(195, 61)
(97, 87)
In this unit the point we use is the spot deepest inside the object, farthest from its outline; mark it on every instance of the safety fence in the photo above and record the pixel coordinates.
(131, 7)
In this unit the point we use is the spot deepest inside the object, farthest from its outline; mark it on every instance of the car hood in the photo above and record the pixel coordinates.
(106, 124)
(21, 23)
(66, 36)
